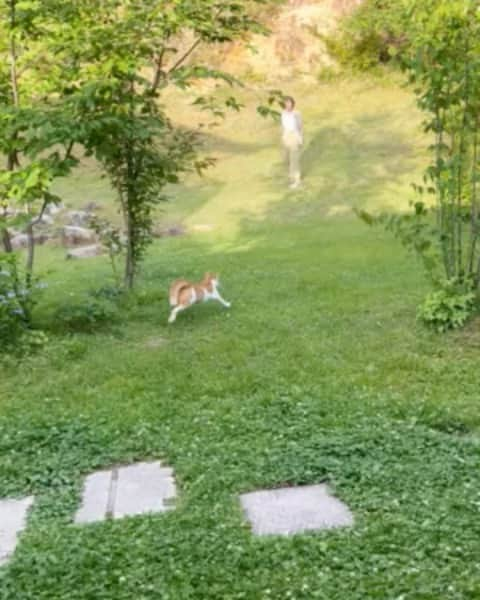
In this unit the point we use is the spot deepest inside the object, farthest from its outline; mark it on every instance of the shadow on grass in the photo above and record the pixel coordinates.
(217, 143)
(358, 164)
(187, 199)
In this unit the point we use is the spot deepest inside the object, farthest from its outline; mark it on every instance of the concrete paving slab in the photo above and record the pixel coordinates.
(126, 491)
(13, 517)
(143, 488)
(287, 511)
(95, 498)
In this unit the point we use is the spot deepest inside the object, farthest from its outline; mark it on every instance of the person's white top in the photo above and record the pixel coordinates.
(291, 122)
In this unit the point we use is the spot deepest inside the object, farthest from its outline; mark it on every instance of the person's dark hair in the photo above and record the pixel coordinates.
(289, 99)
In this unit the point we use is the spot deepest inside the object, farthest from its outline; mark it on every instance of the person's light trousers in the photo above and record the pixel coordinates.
(292, 143)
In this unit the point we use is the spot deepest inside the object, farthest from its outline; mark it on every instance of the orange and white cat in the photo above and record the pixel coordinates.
(185, 293)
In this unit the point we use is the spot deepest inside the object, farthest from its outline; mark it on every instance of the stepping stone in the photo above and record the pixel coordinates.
(13, 517)
(287, 511)
(96, 498)
(126, 491)
(142, 489)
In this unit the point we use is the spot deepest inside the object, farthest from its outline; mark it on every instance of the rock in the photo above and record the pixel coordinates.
(46, 220)
(91, 207)
(78, 218)
(75, 236)
(41, 238)
(85, 252)
(13, 212)
(19, 241)
(54, 209)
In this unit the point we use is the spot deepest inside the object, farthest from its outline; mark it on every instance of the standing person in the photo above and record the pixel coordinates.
(292, 137)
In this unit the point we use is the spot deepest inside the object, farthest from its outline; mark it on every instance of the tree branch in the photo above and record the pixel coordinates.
(158, 73)
(39, 217)
(193, 47)
(184, 57)
(31, 243)
(68, 153)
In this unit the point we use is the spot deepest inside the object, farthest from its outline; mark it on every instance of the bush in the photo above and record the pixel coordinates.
(375, 33)
(444, 232)
(109, 292)
(15, 303)
(86, 316)
(112, 240)
(447, 308)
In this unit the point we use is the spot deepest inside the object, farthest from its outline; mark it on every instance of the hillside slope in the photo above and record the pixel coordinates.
(293, 48)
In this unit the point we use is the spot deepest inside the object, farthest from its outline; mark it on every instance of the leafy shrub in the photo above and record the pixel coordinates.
(375, 33)
(444, 232)
(447, 308)
(111, 239)
(15, 302)
(454, 300)
(328, 75)
(86, 316)
(109, 292)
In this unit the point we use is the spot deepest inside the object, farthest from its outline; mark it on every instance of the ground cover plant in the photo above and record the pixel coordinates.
(319, 372)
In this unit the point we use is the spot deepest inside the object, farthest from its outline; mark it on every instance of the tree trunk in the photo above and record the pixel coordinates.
(130, 255)
(12, 158)
(129, 273)
(7, 244)
(30, 255)
(13, 54)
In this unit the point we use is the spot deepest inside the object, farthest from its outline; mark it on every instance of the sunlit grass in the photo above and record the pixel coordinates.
(319, 371)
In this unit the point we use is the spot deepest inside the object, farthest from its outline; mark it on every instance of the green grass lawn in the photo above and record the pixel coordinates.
(318, 372)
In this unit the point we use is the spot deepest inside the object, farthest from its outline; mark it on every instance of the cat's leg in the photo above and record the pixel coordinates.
(218, 297)
(175, 311)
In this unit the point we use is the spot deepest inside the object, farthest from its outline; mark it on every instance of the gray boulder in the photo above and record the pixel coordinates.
(18, 241)
(85, 252)
(53, 209)
(77, 236)
(46, 220)
(78, 218)
(91, 207)
(42, 238)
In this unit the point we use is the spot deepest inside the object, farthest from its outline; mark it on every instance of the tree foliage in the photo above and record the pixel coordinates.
(120, 56)
(90, 74)
(35, 131)
(443, 65)
(376, 32)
